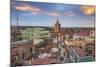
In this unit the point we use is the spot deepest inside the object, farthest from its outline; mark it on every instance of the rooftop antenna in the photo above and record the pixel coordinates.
(17, 23)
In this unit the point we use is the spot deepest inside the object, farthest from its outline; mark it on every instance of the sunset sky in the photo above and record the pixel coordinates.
(46, 14)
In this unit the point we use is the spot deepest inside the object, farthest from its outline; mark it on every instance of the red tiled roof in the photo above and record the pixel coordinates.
(44, 61)
(82, 34)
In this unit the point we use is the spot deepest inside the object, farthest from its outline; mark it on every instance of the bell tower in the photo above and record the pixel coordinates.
(57, 27)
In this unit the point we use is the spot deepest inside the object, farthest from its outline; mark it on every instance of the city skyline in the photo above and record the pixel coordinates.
(46, 14)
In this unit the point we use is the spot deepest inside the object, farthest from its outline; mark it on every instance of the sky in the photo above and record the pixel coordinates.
(46, 14)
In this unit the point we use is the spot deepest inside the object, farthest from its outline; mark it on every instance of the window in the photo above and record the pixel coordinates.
(91, 32)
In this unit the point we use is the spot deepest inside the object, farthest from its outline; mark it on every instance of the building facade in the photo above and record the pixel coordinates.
(35, 33)
(20, 50)
(15, 34)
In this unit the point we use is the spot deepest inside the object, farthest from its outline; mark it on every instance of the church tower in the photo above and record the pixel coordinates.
(57, 27)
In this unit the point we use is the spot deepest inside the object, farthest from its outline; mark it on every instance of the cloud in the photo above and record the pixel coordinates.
(35, 10)
(91, 18)
(28, 8)
(88, 10)
(69, 13)
(52, 13)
